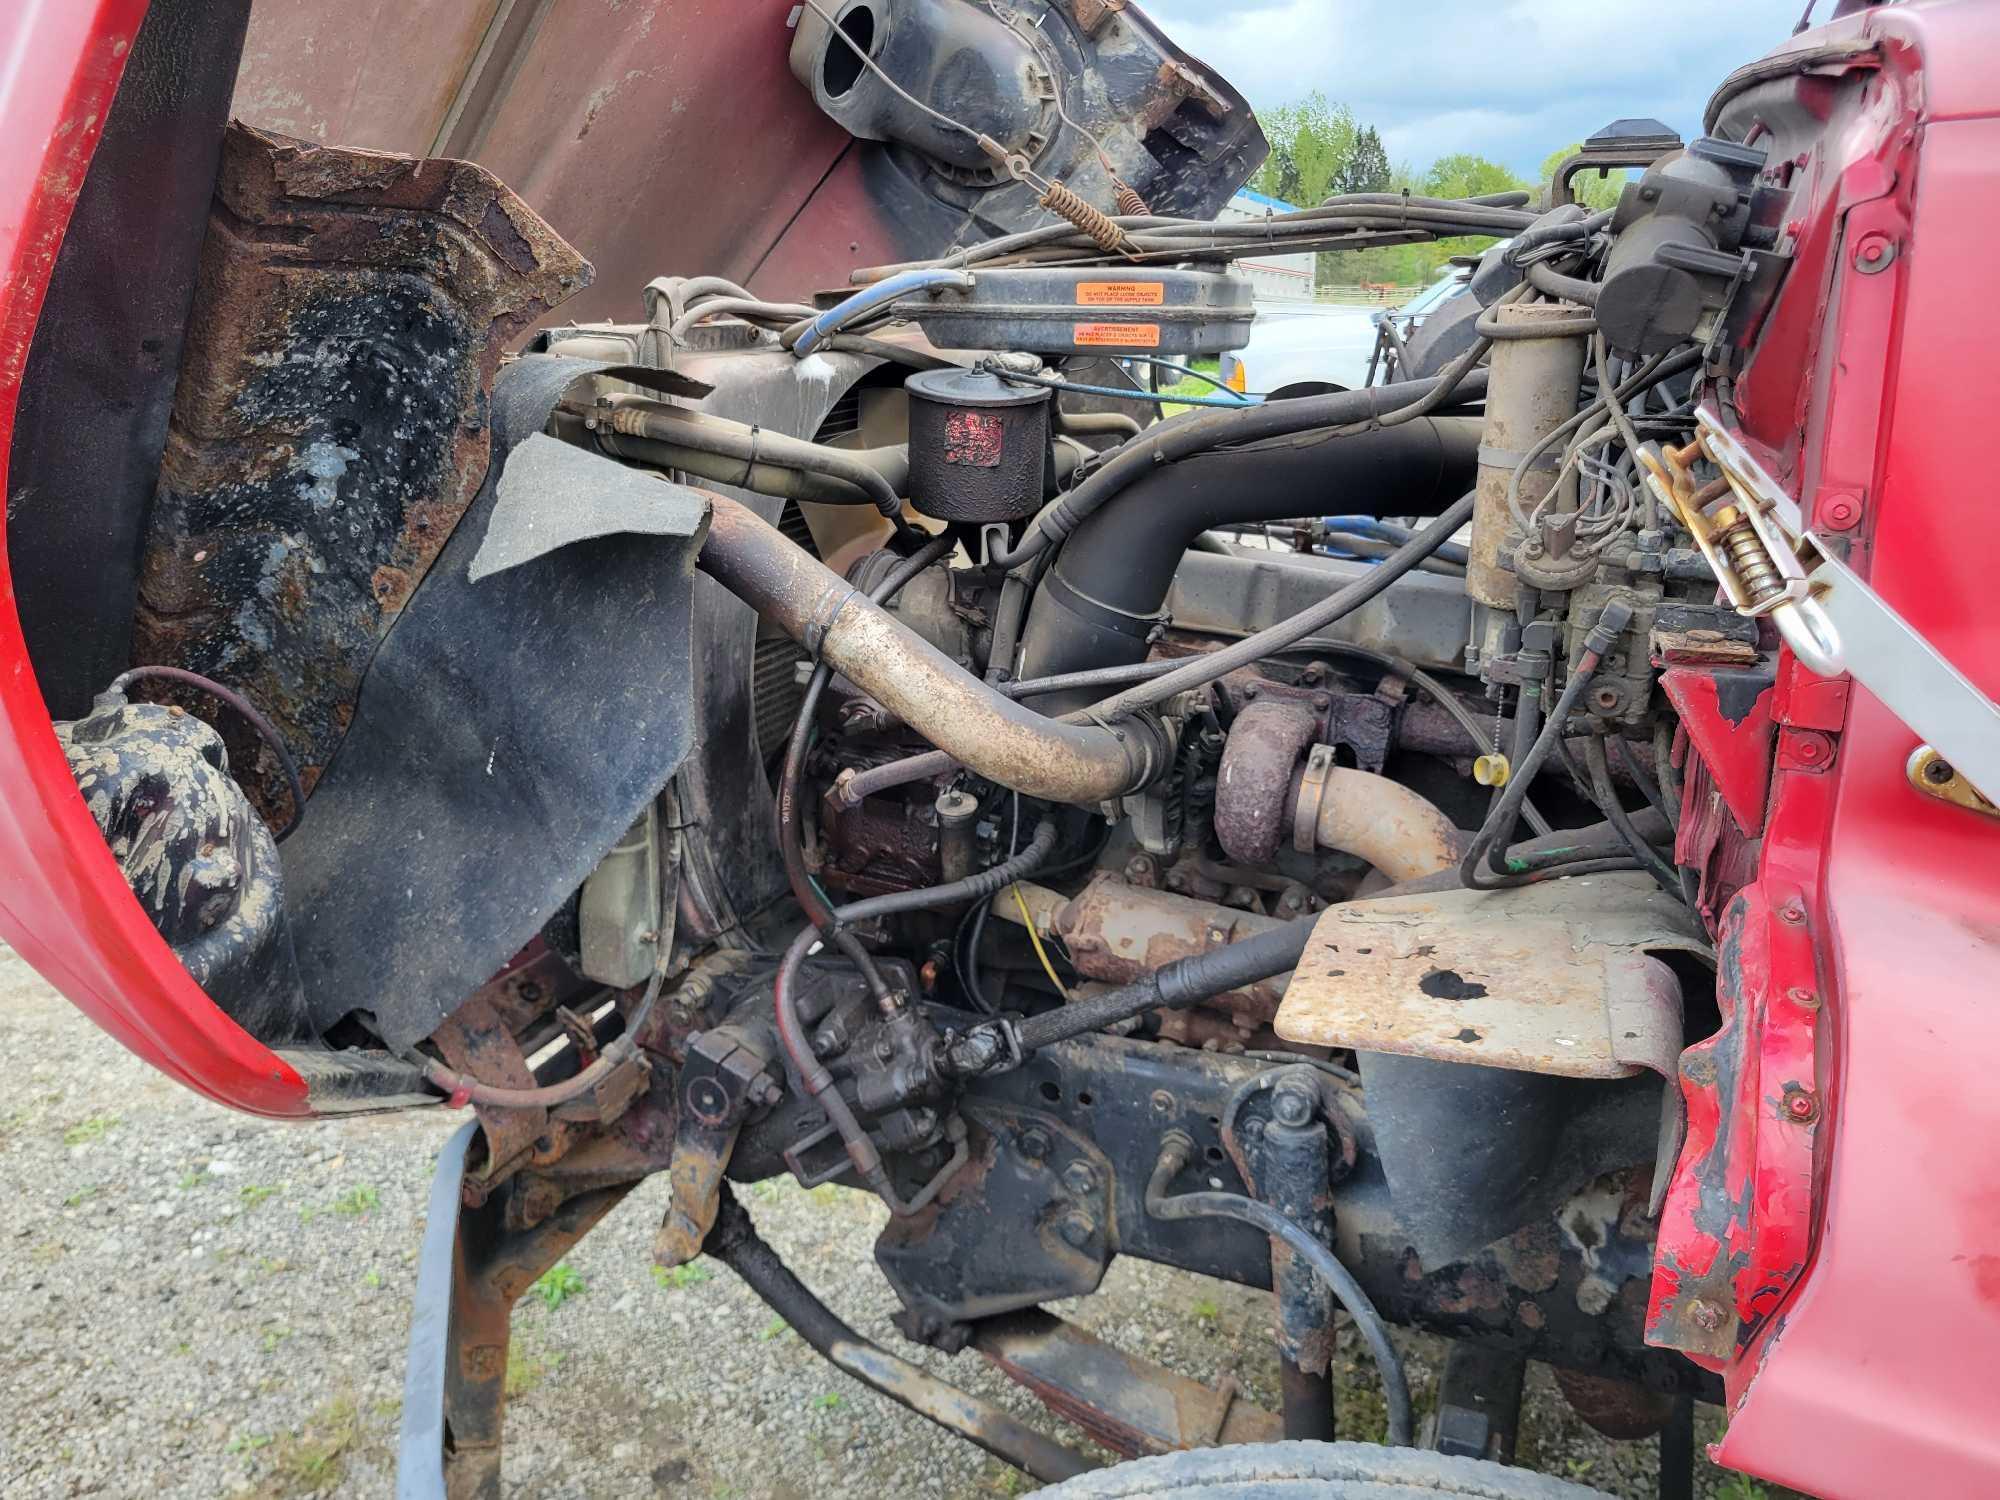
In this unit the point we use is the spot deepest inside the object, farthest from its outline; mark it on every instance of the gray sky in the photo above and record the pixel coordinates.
(1508, 79)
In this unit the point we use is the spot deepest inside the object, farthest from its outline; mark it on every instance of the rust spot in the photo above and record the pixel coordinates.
(1448, 984)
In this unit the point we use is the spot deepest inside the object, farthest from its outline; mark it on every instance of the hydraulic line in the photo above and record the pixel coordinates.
(1489, 845)
(735, 1242)
(1175, 1152)
(872, 298)
(1605, 793)
(813, 1076)
(790, 811)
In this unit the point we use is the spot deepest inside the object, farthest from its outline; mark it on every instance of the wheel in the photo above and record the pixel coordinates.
(1314, 1471)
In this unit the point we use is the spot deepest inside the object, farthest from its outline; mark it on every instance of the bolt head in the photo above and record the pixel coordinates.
(1801, 1106)
(1079, 1178)
(1163, 1102)
(1792, 912)
(1939, 773)
(1839, 512)
(1292, 1106)
(1705, 1314)
(1034, 1144)
(1076, 1229)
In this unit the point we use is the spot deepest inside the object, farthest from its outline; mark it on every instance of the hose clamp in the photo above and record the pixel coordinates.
(825, 615)
(1312, 793)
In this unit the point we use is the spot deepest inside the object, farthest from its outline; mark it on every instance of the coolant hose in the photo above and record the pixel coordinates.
(994, 736)
(1105, 595)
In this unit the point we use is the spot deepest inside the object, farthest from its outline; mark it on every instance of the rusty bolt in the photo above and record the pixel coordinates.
(1801, 1105)
(1077, 1228)
(1705, 1315)
(1079, 1178)
(1034, 1143)
(1792, 912)
(1292, 1103)
(1839, 512)
(175, 711)
(1798, 994)
(827, 1041)
(1139, 868)
(1252, 689)
(1163, 1102)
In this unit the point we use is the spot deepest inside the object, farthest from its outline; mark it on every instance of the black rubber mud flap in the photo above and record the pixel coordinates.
(508, 730)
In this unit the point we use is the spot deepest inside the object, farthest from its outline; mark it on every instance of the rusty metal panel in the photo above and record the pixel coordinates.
(330, 425)
(1552, 978)
(657, 136)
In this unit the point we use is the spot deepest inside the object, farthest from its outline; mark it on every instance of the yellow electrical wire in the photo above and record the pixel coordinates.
(1035, 938)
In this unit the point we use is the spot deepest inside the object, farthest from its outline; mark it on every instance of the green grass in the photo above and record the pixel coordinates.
(253, 1193)
(558, 1284)
(82, 1195)
(85, 1131)
(678, 1278)
(1741, 1487)
(829, 1401)
(1204, 1312)
(776, 1328)
(526, 1366)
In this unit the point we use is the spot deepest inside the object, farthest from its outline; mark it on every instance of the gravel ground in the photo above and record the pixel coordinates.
(208, 1305)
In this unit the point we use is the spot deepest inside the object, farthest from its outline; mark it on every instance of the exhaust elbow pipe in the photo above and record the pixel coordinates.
(992, 735)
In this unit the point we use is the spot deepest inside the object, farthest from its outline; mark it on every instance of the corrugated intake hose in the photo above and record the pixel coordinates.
(1105, 594)
(978, 727)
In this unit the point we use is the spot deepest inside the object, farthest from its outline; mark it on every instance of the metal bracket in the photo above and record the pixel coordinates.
(1934, 776)
(1831, 619)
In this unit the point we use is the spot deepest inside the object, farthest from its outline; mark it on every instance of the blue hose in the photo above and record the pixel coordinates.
(869, 299)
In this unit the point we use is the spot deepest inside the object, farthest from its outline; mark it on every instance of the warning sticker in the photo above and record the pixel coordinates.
(1120, 293)
(1120, 335)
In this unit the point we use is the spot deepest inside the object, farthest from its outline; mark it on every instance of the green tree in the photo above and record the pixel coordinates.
(1592, 190)
(1464, 175)
(1367, 166)
(1311, 142)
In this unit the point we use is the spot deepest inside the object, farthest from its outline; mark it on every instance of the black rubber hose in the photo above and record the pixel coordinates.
(790, 813)
(1490, 841)
(1217, 427)
(1105, 594)
(1551, 282)
(1604, 791)
(1211, 665)
(736, 1243)
(983, 883)
(1175, 1152)
(1185, 982)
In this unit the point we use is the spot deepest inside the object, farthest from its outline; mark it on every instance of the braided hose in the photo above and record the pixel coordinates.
(1093, 221)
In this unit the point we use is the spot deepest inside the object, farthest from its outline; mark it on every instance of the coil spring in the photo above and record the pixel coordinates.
(1130, 204)
(1092, 221)
(1757, 575)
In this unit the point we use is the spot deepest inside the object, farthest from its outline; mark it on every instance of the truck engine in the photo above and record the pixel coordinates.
(1315, 838)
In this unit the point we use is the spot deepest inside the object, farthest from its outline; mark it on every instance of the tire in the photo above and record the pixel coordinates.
(1314, 1471)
